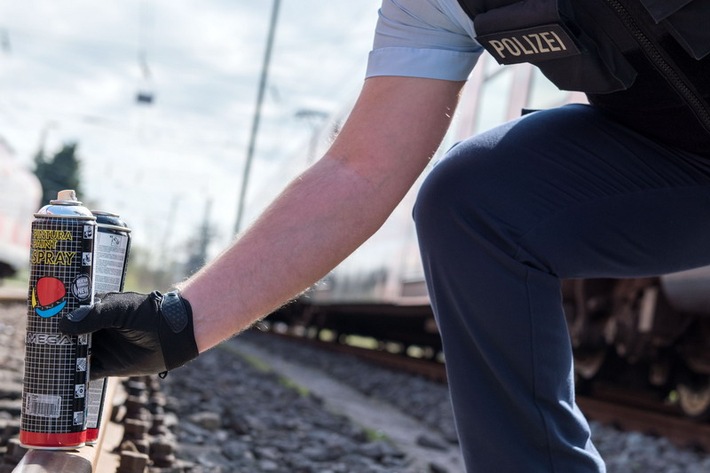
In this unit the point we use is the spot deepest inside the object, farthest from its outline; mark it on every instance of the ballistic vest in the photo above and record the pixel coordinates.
(629, 56)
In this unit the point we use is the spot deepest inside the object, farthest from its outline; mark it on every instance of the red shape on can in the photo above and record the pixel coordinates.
(50, 290)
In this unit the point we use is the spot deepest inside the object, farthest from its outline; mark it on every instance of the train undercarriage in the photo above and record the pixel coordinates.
(630, 332)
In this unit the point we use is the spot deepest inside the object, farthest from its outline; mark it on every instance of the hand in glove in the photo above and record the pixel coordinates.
(135, 334)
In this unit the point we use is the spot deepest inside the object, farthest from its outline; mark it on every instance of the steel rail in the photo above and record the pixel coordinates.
(431, 370)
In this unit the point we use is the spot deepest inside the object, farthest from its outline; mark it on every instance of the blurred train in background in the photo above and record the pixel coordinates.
(21, 198)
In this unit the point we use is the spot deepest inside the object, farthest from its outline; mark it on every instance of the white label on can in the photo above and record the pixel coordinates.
(93, 403)
(111, 256)
(44, 405)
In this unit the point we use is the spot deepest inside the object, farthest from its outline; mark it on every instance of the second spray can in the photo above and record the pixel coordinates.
(112, 247)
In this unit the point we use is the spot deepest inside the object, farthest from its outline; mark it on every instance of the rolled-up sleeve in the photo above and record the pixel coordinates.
(423, 38)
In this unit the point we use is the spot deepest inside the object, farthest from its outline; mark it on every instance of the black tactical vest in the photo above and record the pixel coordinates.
(624, 54)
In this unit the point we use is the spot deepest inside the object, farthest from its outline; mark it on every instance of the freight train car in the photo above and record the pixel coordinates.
(653, 333)
(21, 196)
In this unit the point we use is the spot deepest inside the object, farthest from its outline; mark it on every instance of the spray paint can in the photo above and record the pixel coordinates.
(56, 364)
(113, 244)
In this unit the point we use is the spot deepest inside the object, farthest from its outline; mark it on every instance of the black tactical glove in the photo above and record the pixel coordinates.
(135, 334)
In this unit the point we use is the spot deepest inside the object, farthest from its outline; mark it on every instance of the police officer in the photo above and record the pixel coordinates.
(616, 188)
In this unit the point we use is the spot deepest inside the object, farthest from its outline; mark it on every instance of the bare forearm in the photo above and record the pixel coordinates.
(329, 211)
(317, 221)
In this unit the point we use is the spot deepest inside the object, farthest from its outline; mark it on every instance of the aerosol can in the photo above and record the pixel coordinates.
(56, 364)
(113, 243)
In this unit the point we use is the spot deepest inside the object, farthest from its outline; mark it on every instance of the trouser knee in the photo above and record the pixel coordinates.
(439, 196)
(456, 197)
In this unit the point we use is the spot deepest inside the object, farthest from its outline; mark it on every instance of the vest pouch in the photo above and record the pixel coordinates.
(687, 22)
(536, 31)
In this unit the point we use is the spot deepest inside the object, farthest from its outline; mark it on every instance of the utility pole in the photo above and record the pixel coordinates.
(257, 114)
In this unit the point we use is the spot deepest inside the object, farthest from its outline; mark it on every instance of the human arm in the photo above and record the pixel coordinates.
(326, 213)
(320, 218)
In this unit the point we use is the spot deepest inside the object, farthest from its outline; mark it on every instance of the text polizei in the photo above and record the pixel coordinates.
(529, 45)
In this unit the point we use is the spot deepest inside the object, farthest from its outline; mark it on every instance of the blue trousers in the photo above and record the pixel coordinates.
(563, 193)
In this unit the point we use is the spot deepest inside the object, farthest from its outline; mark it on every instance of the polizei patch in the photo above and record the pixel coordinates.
(535, 44)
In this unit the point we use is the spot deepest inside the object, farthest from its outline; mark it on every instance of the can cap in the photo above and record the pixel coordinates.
(66, 194)
(65, 205)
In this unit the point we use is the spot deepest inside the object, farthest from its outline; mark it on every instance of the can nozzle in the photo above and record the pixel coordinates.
(66, 194)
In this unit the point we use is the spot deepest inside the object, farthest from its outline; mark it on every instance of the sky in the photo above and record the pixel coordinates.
(70, 72)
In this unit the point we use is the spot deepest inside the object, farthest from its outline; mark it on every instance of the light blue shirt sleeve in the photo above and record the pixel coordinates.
(423, 38)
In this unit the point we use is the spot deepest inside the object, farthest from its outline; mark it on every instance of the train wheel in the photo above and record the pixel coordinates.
(694, 401)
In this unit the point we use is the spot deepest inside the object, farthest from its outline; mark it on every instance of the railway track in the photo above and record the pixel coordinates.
(427, 369)
(631, 410)
(623, 409)
(132, 434)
